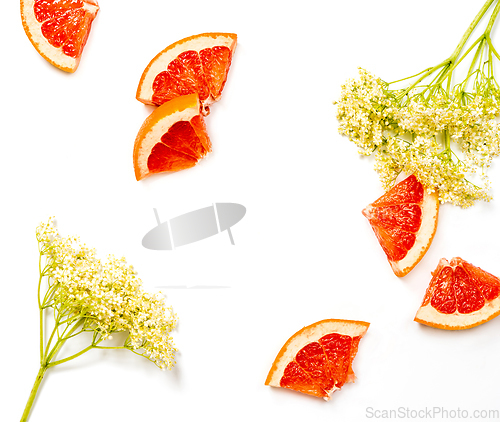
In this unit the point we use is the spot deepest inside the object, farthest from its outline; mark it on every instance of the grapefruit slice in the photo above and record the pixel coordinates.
(404, 220)
(197, 64)
(172, 138)
(59, 29)
(317, 360)
(460, 295)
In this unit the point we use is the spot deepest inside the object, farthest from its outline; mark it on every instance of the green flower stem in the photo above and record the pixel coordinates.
(110, 347)
(40, 305)
(471, 28)
(60, 342)
(450, 64)
(492, 19)
(412, 76)
(46, 364)
(436, 82)
(481, 39)
(81, 352)
(479, 52)
(447, 143)
(49, 294)
(488, 31)
(425, 75)
(41, 335)
(492, 49)
(49, 342)
(40, 279)
(34, 390)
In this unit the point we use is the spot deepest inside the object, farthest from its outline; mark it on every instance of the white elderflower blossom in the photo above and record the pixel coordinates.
(418, 137)
(86, 295)
(362, 111)
(105, 297)
(446, 136)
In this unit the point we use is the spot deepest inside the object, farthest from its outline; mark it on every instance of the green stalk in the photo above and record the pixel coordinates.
(490, 44)
(41, 373)
(41, 335)
(471, 28)
(81, 352)
(410, 77)
(40, 305)
(476, 57)
(34, 390)
(450, 62)
(436, 78)
(447, 143)
(59, 343)
(493, 17)
(46, 364)
(456, 63)
(49, 342)
(425, 75)
(489, 27)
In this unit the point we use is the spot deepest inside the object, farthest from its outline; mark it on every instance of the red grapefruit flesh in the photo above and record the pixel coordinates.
(317, 360)
(460, 295)
(404, 221)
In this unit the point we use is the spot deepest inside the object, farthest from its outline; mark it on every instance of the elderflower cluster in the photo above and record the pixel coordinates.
(471, 127)
(362, 111)
(415, 135)
(106, 296)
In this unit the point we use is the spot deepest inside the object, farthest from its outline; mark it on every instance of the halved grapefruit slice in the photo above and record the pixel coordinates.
(197, 64)
(404, 220)
(317, 360)
(172, 138)
(59, 29)
(460, 295)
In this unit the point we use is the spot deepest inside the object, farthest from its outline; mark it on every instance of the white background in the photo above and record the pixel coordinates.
(303, 251)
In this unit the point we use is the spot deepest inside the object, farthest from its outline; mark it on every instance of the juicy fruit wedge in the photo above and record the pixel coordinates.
(460, 295)
(317, 360)
(172, 138)
(59, 29)
(404, 220)
(197, 64)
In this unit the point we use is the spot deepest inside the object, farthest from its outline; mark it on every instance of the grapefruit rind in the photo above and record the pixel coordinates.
(163, 58)
(424, 236)
(33, 28)
(182, 108)
(309, 334)
(428, 315)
